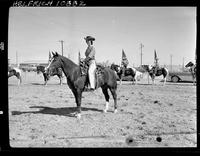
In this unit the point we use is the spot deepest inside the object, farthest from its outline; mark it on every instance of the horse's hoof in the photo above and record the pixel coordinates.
(105, 110)
(78, 116)
(115, 111)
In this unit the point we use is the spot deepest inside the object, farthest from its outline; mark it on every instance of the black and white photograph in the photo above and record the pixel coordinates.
(93, 77)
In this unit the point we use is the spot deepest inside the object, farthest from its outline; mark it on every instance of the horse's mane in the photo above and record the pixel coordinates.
(71, 63)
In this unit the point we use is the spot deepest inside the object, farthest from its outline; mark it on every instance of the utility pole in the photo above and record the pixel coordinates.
(61, 41)
(141, 46)
(171, 61)
(16, 59)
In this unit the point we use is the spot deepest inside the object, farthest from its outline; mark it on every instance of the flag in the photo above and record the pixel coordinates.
(155, 58)
(124, 58)
(155, 55)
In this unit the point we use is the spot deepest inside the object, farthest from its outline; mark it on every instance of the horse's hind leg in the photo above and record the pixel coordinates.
(105, 92)
(114, 94)
(20, 80)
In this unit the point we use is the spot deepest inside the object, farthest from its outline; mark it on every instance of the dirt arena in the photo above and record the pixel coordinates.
(148, 115)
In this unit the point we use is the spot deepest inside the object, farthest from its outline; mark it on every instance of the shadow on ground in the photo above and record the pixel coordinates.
(65, 111)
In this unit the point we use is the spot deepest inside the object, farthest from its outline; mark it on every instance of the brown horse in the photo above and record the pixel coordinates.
(46, 76)
(77, 82)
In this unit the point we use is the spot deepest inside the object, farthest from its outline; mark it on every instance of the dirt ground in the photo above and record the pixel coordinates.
(148, 115)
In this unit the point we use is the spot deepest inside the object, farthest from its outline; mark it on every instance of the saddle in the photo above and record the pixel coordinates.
(84, 67)
(157, 71)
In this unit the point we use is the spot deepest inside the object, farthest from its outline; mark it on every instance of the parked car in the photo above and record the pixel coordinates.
(180, 76)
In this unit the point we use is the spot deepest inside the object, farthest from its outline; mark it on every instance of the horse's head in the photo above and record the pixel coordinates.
(11, 72)
(190, 64)
(115, 67)
(146, 68)
(55, 63)
(39, 69)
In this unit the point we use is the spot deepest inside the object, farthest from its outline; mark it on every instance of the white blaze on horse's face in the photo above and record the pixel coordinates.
(17, 70)
(150, 67)
(118, 68)
(49, 64)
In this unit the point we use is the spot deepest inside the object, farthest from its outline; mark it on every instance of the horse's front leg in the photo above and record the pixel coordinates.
(45, 79)
(134, 80)
(60, 80)
(165, 79)
(114, 94)
(153, 79)
(19, 80)
(106, 95)
(194, 82)
(78, 96)
(120, 79)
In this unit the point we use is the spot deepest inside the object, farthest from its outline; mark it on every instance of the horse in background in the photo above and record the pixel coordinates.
(15, 72)
(42, 69)
(105, 78)
(192, 69)
(128, 72)
(160, 71)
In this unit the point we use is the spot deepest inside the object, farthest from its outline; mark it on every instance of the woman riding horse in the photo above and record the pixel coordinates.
(160, 71)
(77, 82)
(90, 59)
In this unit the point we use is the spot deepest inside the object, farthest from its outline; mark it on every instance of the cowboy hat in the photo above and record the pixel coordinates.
(89, 38)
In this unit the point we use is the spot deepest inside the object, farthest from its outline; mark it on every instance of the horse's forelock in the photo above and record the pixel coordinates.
(54, 59)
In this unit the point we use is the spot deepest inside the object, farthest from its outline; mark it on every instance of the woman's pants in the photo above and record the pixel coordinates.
(91, 73)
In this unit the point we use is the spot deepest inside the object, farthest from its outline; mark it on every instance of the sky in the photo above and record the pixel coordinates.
(34, 31)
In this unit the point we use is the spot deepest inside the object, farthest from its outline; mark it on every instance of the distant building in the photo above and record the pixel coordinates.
(32, 65)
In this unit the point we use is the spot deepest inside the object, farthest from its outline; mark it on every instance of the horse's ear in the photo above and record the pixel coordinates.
(56, 54)
(53, 54)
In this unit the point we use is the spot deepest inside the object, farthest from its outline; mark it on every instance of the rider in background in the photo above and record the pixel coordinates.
(124, 63)
(90, 59)
(156, 67)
